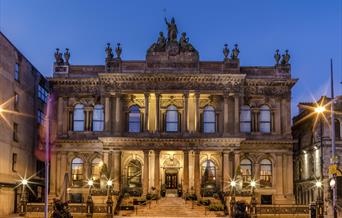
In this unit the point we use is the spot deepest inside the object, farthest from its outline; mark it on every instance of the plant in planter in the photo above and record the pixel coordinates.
(163, 190)
(216, 207)
(179, 191)
(204, 201)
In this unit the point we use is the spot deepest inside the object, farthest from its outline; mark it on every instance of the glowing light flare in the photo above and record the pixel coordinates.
(318, 184)
(109, 183)
(90, 182)
(319, 109)
(233, 183)
(332, 183)
(24, 182)
(253, 183)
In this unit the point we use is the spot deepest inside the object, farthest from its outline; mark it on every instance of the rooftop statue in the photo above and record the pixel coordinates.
(58, 57)
(277, 57)
(184, 43)
(118, 51)
(158, 46)
(172, 30)
(67, 56)
(225, 52)
(235, 52)
(286, 58)
(109, 52)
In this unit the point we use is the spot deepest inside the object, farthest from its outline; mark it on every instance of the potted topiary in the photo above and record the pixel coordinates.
(163, 190)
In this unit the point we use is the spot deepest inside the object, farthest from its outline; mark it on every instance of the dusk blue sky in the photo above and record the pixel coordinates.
(310, 29)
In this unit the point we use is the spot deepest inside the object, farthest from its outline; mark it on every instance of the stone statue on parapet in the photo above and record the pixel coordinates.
(58, 57)
(277, 57)
(172, 30)
(286, 58)
(118, 51)
(235, 52)
(109, 52)
(184, 44)
(158, 46)
(67, 56)
(225, 52)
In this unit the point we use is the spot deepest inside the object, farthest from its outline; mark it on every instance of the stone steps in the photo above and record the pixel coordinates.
(171, 207)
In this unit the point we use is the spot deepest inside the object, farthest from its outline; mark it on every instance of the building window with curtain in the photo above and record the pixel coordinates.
(98, 118)
(171, 119)
(134, 170)
(265, 119)
(265, 173)
(208, 176)
(77, 172)
(134, 119)
(209, 120)
(79, 118)
(245, 119)
(246, 171)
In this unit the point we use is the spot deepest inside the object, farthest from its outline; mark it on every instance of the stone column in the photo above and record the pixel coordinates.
(118, 114)
(185, 116)
(289, 177)
(60, 119)
(186, 172)
(225, 114)
(225, 170)
(107, 124)
(197, 178)
(65, 117)
(53, 174)
(157, 112)
(197, 111)
(236, 160)
(146, 172)
(157, 170)
(236, 114)
(116, 169)
(113, 113)
(279, 175)
(147, 98)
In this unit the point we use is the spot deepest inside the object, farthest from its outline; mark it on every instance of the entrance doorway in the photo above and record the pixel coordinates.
(171, 180)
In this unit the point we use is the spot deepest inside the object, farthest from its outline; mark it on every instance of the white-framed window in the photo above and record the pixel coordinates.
(245, 119)
(171, 119)
(265, 119)
(77, 168)
(98, 118)
(134, 119)
(246, 171)
(209, 120)
(79, 118)
(42, 93)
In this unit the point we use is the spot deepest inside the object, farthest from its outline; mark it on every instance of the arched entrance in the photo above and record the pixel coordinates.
(171, 168)
(134, 174)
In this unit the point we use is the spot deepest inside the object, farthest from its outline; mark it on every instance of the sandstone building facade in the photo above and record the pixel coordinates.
(172, 122)
(23, 93)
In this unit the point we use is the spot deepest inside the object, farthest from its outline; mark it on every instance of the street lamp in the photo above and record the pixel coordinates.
(23, 199)
(90, 203)
(319, 201)
(232, 201)
(109, 199)
(253, 209)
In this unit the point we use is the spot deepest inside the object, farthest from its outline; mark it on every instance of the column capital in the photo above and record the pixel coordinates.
(146, 94)
(186, 94)
(197, 93)
(146, 152)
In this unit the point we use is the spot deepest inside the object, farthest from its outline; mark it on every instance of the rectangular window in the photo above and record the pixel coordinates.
(40, 168)
(266, 199)
(42, 93)
(16, 101)
(40, 117)
(14, 162)
(17, 72)
(15, 132)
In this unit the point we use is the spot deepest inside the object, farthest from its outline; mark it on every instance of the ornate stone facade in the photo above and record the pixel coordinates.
(174, 122)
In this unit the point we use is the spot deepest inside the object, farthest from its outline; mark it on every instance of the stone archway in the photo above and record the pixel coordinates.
(171, 178)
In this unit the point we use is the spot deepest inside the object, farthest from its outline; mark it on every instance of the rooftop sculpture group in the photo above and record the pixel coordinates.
(59, 57)
(285, 57)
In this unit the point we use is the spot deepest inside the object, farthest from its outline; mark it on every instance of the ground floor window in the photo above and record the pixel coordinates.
(134, 174)
(266, 199)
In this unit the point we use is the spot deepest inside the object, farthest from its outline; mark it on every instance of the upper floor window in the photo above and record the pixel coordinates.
(266, 173)
(134, 119)
(15, 132)
(209, 120)
(265, 119)
(42, 93)
(17, 72)
(98, 118)
(16, 101)
(40, 117)
(171, 119)
(77, 171)
(245, 119)
(79, 117)
(14, 162)
(246, 171)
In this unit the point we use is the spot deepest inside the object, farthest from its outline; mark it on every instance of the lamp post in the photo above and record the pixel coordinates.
(109, 199)
(253, 202)
(90, 203)
(232, 201)
(319, 201)
(23, 199)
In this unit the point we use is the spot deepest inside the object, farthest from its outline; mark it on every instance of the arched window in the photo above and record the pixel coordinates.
(265, 173)
(96, 166)
(98, 118)
(77, 171)
(79, 117)
(246, 171)
(245, 119)
(208, 174)
(134, 174)
(337, 129)
(171, 119)
(134, 124)
(265, 119)
(209, 120)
